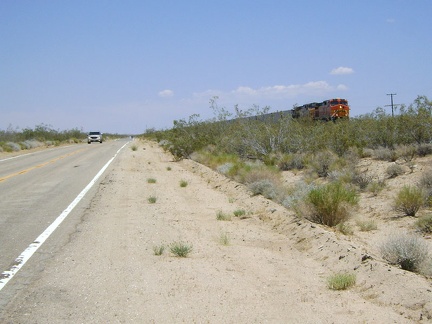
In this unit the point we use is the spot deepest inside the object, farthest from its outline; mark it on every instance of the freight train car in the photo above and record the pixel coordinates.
(330, 109)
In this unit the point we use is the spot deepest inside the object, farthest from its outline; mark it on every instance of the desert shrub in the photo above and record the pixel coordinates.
(224, 238)
(394, 170)
(322, 163)
(134, 147)
(424, 224)
(341, 281)
(264, 187)
(225, 168)
(385, 154)
(366, 226)
(409, 200)
(425, 184)
(424, 149)
(362, 180)
(220, 215)
(345, 228)
(330, 204)
(376, 186)
(263, 181)
(158, 249)
(292, 162)
(407, 251)
(296, 195)
(239, 212)
(151, 180)
(152, 199)
(181, 249)
(406, 152)
(183, 183)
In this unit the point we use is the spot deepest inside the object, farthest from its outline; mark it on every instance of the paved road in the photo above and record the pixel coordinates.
(34, 190)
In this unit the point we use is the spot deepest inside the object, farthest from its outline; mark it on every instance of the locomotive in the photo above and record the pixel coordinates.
(330, 109)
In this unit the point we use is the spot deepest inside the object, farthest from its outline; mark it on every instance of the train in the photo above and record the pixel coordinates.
(330, 109)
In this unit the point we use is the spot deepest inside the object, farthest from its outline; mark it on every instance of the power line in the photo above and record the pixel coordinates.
(392, 104)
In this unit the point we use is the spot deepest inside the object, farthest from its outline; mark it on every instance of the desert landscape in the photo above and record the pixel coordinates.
(263, 265)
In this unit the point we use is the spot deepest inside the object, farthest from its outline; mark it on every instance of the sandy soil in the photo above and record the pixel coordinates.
(274, 269)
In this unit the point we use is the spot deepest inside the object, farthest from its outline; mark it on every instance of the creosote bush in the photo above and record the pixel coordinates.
(183, 183)
(341, 281)
(330, 204)
(409, 200)
(407, 251)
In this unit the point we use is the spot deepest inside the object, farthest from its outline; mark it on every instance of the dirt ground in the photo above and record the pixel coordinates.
(274, 268)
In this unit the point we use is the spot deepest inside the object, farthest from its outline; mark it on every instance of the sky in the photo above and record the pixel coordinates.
(133, 65)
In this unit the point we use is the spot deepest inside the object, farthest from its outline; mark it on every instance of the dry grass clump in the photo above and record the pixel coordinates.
(180, 249)
(376, 186)
(406, 152)
(330, 204)
(362, 180)
(341, 281)
(322, 163)
(220, 215)
(264, 181)
(224, 238)
(152, 199)
(425, 184)
(424, 149)
(409, 200)
(291, 162)
(158, 249)
(345, 228)
(366, 226)
(239, 212)
(395, 170)
(384, 154)
(424, 224)
(407, 251)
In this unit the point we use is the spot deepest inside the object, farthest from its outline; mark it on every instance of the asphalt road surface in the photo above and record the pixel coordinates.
(35, 189)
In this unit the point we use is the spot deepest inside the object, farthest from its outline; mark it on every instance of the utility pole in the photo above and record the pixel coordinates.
(392, 105)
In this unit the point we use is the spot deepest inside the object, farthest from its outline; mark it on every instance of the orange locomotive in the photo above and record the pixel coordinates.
(331, 109)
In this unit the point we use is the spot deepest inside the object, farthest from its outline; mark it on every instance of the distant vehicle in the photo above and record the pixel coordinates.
(327, 110)
(94, 137)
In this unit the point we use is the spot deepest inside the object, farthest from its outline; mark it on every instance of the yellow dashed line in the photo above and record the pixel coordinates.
(38, 166)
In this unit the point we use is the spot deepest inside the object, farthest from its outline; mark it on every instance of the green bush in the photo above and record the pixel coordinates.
(181, 249)
(409, 200)
(330, 204)
(341, 281)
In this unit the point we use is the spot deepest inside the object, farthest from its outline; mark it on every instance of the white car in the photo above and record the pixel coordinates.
(94, 137)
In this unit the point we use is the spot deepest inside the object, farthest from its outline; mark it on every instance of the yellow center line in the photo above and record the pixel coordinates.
(39, 165)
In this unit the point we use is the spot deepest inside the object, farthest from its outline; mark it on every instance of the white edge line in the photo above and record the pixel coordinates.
(33, 247)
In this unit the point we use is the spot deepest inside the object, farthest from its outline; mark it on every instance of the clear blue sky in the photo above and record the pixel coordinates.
(126, 66)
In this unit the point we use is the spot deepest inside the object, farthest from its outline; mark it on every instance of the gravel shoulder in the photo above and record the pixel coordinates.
(273, 270)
